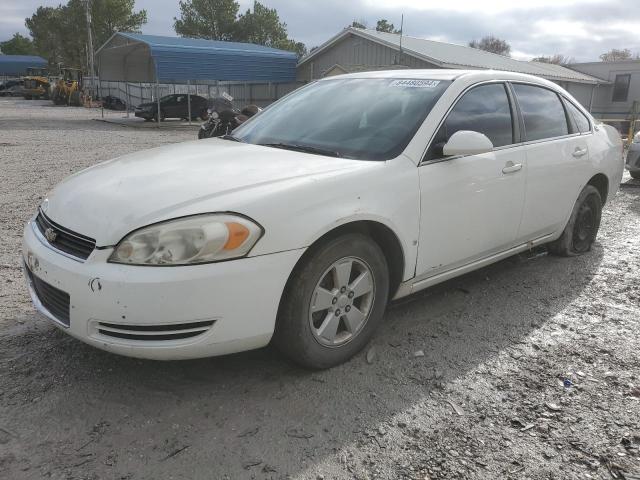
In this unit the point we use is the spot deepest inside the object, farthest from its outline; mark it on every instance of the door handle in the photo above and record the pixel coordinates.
(580, 152)
(511, 167)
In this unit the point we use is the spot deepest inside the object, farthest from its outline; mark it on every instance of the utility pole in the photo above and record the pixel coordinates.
(401, 32)
(90, 39)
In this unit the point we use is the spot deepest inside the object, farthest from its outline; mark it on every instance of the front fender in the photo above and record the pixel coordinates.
(388, 193)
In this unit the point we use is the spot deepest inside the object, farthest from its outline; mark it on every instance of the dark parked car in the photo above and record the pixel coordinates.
(174, 106)
(113, 103)
(12, 88)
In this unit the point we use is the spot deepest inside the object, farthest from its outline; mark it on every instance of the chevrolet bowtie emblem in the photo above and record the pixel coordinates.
(51, 235)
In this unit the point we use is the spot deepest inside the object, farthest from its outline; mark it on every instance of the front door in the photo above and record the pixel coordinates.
(471, 206)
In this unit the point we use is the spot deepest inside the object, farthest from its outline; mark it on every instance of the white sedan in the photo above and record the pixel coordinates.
(299, 227)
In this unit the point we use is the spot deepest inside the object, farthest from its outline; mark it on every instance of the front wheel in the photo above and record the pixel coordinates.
(333, 303)
(581, 230)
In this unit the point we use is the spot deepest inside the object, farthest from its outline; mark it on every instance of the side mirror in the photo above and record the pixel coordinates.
(466, 142)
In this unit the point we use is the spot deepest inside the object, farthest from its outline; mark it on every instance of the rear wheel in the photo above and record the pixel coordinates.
(581, 230)
(333, 303)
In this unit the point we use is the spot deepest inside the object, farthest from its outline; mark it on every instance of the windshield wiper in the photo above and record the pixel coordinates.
(228, 136)
(303, 148)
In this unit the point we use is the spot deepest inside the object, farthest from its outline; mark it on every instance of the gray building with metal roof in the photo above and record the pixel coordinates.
(618, 97)
(355, 49)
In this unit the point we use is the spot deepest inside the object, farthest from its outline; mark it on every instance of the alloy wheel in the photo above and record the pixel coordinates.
(341, 302)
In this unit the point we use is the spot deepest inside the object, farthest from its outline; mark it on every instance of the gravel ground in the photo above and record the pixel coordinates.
(525, 369)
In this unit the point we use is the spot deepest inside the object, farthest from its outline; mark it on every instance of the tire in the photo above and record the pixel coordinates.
(581, 230)
(75, 100)
(201, 134)
(635, 175)
(27, 97)
(300, 334)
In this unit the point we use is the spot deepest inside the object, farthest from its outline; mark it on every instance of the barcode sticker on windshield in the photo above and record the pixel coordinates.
(415, 83)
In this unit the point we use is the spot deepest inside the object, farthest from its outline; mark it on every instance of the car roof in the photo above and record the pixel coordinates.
(193, 95)
(470, 76)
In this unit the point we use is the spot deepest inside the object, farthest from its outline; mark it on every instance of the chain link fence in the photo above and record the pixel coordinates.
(261, 94)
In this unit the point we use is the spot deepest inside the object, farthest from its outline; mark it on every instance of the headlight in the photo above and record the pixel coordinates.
(189, 241)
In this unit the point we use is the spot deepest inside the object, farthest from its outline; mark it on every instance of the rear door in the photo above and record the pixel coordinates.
(471, 206)
(556, 155)
(178, 105)
(182, 108)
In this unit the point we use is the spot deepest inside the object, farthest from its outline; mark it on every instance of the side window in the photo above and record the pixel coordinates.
(582, 122)
(542, 110)
(484, 109)
(621, 88)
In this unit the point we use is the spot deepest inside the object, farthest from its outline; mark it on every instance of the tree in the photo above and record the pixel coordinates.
(210, 19)
(60, 33)
(264, 27)
(614, 55)
(110, 16)
(47, 31)
(18, 45)
(384, 26)
(359, 24)
(492, 44)
(219, 20)
(556, 59)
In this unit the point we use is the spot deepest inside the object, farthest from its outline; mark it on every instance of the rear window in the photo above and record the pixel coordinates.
(582, 122)
(542, 110)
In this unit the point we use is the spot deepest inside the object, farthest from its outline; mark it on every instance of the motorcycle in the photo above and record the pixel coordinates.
(222, 118)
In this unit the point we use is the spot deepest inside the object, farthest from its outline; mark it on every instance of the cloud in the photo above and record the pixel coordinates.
(582, 29)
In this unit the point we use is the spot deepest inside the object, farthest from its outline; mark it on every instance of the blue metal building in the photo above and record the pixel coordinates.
(17, 65)
(131, 57)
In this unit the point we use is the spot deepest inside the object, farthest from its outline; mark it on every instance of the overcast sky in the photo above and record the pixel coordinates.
(582, 29)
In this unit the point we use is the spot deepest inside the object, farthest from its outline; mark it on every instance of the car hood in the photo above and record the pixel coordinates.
(143, 106)
(109, 200)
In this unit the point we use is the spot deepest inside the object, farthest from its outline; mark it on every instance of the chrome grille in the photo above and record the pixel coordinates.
(64, 239)
(53, 299)
(151, 333)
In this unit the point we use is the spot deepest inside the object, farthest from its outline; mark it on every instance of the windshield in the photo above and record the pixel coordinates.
(361, 118)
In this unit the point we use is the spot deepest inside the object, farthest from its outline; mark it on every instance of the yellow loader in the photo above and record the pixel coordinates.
(36, 84)
(68, 88)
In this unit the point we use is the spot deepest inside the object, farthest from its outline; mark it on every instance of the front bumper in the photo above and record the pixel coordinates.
(143, 114)
(234, 304)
